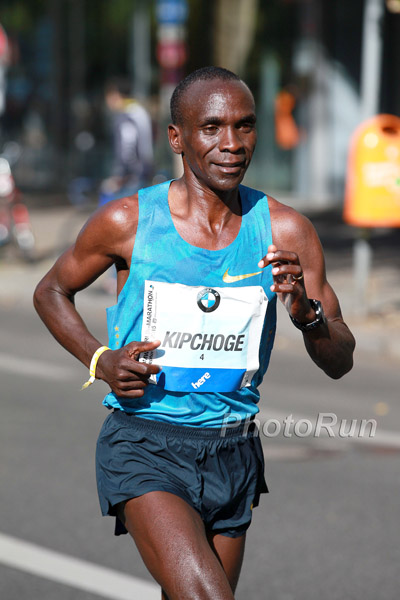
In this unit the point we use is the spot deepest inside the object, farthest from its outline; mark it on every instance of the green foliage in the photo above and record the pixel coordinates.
(117, 14)
(16, 17)
(19, 16)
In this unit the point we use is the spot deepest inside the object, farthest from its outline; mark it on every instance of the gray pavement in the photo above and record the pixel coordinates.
(328, 529)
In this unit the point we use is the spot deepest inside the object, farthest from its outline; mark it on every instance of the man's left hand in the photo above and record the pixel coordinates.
(289, 283)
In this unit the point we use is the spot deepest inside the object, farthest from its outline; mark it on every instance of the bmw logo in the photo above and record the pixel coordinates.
(208, 300)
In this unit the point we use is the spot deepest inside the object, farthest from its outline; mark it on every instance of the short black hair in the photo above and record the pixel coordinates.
(203, 74)
(119, 84)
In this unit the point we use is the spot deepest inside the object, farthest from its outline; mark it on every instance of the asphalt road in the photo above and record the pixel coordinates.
(328, 529)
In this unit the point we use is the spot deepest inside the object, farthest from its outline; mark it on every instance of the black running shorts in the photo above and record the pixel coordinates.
(219, 473)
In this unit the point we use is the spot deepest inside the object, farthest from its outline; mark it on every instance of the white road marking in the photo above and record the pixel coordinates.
(33, 368)
(74, 572)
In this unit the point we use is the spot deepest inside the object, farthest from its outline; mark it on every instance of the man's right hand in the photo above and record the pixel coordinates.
(121, 369)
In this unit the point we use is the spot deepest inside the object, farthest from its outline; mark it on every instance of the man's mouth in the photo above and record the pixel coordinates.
(230, 167)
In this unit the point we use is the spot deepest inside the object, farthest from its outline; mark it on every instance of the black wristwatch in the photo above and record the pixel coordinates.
(319, 317)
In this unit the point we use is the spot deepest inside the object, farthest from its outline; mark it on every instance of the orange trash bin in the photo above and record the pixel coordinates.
(372, 194)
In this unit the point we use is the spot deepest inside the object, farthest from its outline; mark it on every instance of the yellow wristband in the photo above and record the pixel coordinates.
(93, 365)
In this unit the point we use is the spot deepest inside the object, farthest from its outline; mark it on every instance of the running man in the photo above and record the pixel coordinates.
(200, 261)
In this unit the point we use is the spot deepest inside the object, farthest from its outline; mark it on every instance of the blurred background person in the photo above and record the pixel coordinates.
(132, 142)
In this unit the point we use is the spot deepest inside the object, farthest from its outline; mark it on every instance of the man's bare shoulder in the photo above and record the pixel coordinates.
(288, 225)
(119, 216)
(111, 229)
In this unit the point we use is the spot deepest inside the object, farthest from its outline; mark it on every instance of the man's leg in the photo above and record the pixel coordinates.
(230, 552)
(172, 541)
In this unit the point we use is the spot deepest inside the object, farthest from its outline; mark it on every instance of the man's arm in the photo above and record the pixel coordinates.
(107, 237)
(297, 253)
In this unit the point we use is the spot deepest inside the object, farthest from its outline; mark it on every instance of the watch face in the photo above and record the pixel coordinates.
(316, 304)
(319, 317)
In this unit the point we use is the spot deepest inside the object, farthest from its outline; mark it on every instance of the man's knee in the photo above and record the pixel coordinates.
(199, 580)
(171, 538)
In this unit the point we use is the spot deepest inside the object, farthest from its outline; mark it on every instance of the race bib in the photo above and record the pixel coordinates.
(210, 337)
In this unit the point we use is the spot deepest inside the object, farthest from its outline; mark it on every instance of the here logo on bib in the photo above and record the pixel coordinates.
(210, 337)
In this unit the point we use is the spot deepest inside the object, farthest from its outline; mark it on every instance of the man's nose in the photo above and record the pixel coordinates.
(230, 140)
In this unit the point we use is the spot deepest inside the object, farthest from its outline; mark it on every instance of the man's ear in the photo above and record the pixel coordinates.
(174, 137)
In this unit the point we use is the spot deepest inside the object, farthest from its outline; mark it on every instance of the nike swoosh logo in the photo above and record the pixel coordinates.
(232, 278)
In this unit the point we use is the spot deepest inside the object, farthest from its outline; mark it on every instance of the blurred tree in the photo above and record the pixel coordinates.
(234, 28)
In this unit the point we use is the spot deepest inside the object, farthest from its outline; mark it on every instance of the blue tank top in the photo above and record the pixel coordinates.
(160, 254)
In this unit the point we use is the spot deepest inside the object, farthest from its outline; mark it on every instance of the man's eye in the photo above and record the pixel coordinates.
(210, 129)
(247, 127)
